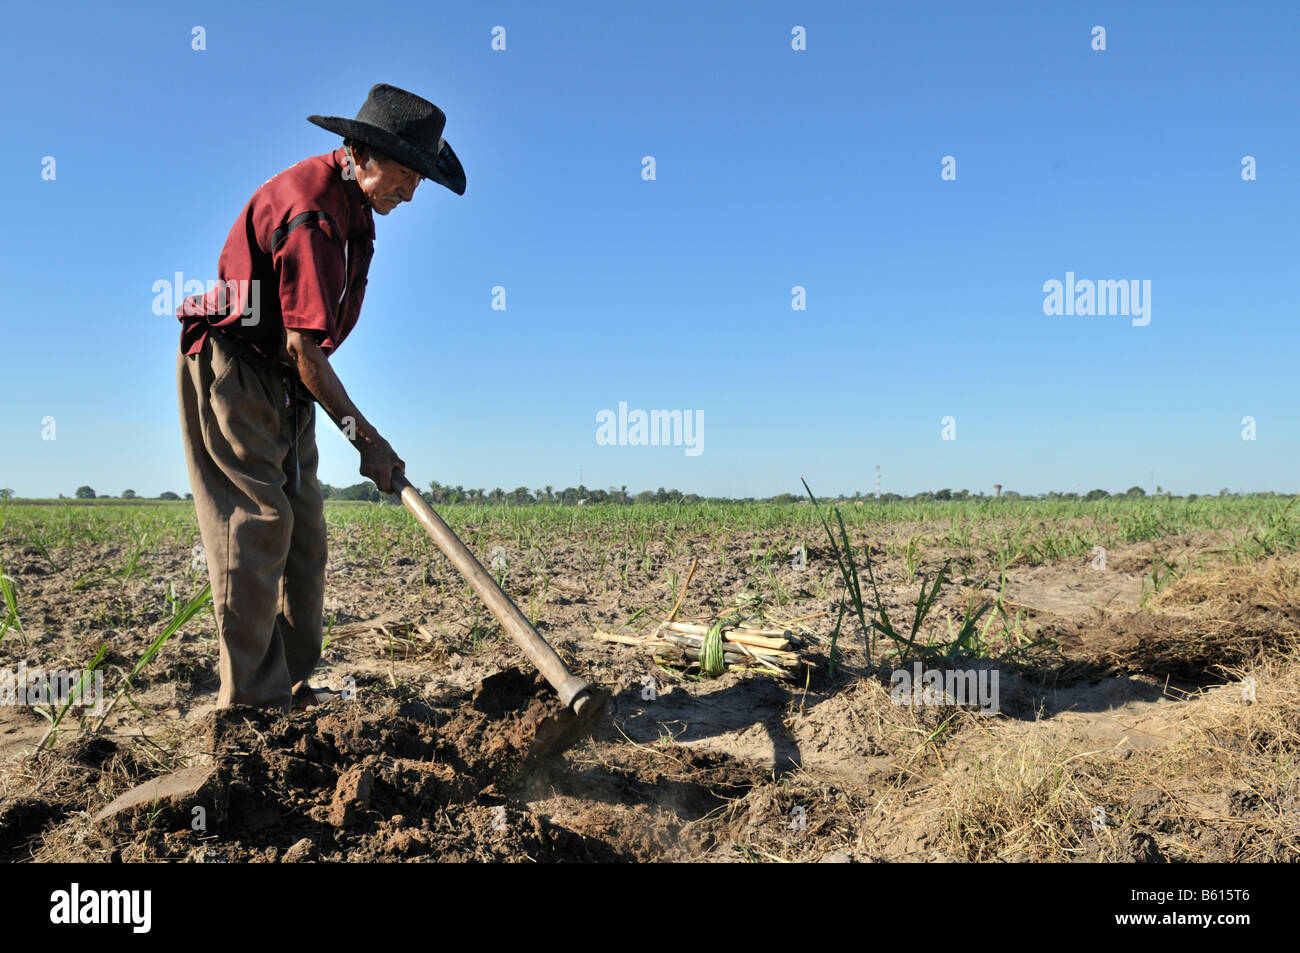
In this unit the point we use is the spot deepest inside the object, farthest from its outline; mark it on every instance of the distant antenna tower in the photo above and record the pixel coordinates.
(877, 481)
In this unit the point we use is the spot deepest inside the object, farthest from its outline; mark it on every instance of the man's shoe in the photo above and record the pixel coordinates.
(305, 696)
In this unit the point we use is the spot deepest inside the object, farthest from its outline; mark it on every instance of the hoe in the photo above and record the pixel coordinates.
(583, 700)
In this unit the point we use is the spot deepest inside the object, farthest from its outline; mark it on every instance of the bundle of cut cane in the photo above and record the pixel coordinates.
(726, 644)
(731, 643)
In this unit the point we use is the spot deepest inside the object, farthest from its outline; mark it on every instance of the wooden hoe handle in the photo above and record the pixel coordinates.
(573, 691)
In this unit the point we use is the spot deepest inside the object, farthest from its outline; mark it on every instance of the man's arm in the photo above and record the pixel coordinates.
(377, 458)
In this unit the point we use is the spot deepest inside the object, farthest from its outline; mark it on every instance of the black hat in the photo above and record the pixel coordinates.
(406, 128)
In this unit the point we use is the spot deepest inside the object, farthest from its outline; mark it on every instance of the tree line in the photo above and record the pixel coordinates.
(439, 493)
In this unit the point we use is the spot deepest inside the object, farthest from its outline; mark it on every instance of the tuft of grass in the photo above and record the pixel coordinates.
(9, 595)
(967, 639)
(1161, 573)
(913, 555)
(78, 694)
(192, 608)
(37, 541)
(907, 645)
(848, 569)
(537, 597)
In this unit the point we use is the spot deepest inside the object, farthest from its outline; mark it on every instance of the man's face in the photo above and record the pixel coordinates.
(385, 182)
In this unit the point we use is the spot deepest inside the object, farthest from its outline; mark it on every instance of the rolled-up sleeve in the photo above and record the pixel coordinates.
(311, 264)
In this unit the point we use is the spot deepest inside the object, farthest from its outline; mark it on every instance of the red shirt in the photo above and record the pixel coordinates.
(306, 238)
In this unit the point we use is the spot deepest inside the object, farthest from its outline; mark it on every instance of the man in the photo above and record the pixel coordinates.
(254, 359)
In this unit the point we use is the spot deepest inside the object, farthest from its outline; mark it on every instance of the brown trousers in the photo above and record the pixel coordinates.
(265, 542)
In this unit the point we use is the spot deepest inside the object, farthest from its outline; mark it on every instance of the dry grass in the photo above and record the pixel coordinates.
(1230, 616)
(1222, 594)
(1224, 791)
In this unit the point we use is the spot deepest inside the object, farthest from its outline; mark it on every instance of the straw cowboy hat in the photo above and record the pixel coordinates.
(406, 128)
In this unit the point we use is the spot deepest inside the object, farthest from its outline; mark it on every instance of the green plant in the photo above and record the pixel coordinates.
(329, 628)
(848, 568)
(537, 599)
(191, 609)
(10, 596)
(835, 638)
(913, 555)
(37, 541)
(85, 578)
(77, 695)
(1157, 579)
(968, 639)
(171, 602)
(924, 604)
(964, 640)
(133, 564)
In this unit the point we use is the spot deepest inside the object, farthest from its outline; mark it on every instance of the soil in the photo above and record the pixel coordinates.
(452, 750)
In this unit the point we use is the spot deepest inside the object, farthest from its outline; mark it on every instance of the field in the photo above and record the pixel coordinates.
(1147, 701)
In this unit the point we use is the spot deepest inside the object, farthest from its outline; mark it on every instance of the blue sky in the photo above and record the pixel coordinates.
(775, 168)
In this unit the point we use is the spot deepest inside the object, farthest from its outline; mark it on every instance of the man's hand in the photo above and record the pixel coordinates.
(377, 458)
(378, 461)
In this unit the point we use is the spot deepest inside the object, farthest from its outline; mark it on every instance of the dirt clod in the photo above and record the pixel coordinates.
(171, 790)
(302, 851)
(351, 796)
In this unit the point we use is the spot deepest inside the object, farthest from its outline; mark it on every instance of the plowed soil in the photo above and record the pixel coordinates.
(442, 753)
